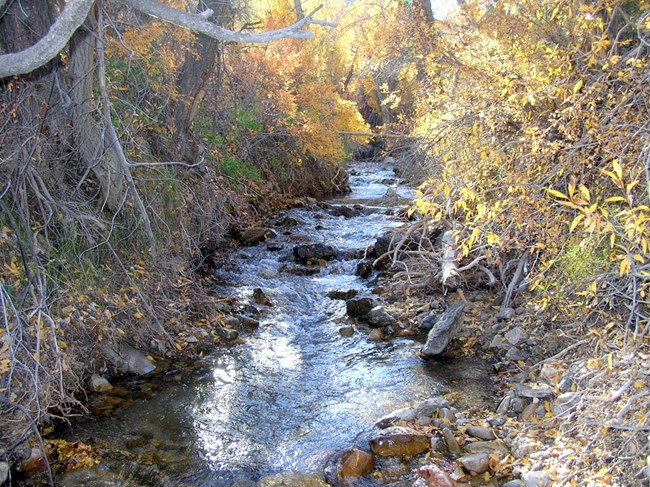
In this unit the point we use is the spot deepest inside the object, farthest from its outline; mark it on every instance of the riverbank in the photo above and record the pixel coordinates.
(551, 419)
(570, 404)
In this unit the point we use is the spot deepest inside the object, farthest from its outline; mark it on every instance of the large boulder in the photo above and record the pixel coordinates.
(317, 251)
(359, 307)
(442, 332)
(128, 359)
(255, 235)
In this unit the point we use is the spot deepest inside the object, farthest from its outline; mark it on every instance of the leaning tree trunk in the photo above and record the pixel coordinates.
(88, 137)
(199, 65)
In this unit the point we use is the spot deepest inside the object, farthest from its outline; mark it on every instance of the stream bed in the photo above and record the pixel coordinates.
(297, 391)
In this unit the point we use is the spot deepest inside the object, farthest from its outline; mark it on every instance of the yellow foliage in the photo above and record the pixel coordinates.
(535, 124)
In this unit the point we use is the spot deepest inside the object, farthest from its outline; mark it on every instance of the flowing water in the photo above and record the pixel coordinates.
(296, 391)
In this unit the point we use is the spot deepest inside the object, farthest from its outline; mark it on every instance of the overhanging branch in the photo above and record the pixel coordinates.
(76, 11)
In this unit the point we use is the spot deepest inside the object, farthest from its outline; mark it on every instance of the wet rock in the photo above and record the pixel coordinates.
(255, 235)
(291, 480)
(288, 221)
(399, 441)
(481, 433)
(260, 297)
(443, 330)
(306, 252)
(505, 314)
(346, 331)
(247, 323)
(515, 336)
(434, 476)
(376, 335)
(345, 211)
(476, 462)
(355, 463)
(136, 442)
(565, 403)
(228, 334)
(364, 269)
(358, 308)
(97, 476)
(490, 447)
(128, 359)
(274, 247)
(97, 383)
(349, 294)
(378, 316)
(450, 440)
(536, 479)
(301, 270)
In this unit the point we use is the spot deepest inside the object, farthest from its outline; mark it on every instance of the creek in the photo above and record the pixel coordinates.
(296, 391)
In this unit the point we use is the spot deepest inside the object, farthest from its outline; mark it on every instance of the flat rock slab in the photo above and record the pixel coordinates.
(444, 329)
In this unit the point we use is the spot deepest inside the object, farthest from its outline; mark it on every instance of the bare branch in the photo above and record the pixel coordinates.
(198, 23)
(75, 12)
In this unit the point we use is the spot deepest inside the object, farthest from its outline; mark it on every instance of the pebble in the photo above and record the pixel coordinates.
(450, 439)
(534, 390)
(514, 354)
(565, 403)
(346, 331)
(536, 479)
(487, 447)
(97, 383)
(376, 335)
(505, 314)
(481, 432)
(476, 462)
(513, 483)
(515, 336)
(522, 446)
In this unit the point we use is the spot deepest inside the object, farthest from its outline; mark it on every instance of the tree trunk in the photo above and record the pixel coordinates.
(300, 13)
(427, 9)
(199, 65)
(88, 138)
